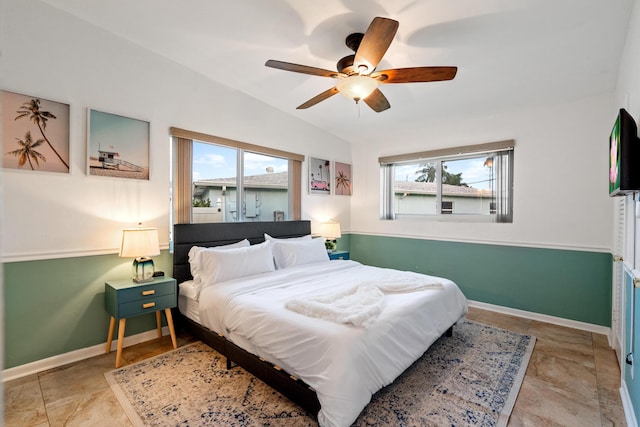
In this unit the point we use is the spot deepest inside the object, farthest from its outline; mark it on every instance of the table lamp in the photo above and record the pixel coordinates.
(330, 230)
(140, 244)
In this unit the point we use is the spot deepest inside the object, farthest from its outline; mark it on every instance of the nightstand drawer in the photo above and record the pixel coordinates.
(150, 305)
(146, 292)
(124, 298)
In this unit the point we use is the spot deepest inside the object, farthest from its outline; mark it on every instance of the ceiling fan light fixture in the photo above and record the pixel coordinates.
(357, 87)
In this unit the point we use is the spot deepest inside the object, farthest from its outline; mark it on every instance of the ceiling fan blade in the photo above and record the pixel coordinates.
(375, 43)
(318, 98)
(304, 69)
(415, 74)
(377, 101)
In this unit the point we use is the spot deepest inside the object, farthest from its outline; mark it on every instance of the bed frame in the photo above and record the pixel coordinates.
(215, 234)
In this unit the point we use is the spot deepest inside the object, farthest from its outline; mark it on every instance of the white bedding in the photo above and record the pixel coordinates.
(345, 364)
(188, 302)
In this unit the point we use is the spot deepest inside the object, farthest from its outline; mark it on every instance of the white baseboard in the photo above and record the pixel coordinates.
(543, 318)
(76, 355)
(627, 406)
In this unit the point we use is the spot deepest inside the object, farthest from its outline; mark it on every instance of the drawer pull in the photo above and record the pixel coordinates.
(149, 305)
(149, 292)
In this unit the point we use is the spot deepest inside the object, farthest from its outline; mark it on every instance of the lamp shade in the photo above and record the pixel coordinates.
(330, 230)
(139, 242)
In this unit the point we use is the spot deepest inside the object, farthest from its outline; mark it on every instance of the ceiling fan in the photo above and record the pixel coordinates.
(357, 75)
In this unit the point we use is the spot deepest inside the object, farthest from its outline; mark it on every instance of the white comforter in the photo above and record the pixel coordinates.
(345, 364)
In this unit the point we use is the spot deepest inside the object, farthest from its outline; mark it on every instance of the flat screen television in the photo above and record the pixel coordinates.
(624, 156)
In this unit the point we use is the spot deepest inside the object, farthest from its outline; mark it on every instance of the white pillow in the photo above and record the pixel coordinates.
(291, 253)
(222, 265)
(189, 290)
(194, 259)
(268, 238)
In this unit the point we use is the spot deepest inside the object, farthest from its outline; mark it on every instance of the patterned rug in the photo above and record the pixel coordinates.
(469, 379)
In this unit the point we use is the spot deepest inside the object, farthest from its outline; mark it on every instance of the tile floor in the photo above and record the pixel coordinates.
(572, 380)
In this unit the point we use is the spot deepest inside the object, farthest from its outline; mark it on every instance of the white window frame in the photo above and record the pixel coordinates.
(240, 191)
(182, 157)
(503, 152)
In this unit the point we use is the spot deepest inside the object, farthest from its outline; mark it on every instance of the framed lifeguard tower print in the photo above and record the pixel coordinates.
(118, 146)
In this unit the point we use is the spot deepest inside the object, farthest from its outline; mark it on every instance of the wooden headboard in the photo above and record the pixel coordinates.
(223, 233)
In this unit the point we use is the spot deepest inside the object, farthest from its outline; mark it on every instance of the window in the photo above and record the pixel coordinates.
(447, 207)
(223, 194)
(463, 182)
(220, 180)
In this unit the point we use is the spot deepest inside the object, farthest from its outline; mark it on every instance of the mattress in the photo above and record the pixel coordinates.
(187, 301)
(344, 363)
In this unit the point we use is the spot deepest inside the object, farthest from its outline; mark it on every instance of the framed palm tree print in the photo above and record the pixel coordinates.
(319, 176)
(343, 183)
(35, 133)
(118, 146)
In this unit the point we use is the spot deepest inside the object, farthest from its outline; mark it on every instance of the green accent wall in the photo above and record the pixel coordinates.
(569, 284)
(56, 306)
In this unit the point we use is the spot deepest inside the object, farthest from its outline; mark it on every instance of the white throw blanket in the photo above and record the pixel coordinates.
(408, 283)
(359, 305)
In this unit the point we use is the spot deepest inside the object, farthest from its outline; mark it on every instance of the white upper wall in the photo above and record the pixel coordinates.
(560, 177)
(628, 88)
(560, 197)
(49, 54)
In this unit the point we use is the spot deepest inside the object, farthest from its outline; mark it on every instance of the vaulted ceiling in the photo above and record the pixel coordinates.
(510, 54)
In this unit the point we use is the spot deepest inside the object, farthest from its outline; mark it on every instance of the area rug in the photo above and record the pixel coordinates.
(469, 379)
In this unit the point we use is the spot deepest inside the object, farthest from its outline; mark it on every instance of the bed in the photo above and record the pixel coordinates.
(275, 323)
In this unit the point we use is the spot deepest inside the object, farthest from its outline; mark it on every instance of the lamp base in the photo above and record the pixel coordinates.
(143, 270)
(330, 245)
(143, 280)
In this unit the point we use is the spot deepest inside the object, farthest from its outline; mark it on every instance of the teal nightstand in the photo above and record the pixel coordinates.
(125, 298)
(339, 255)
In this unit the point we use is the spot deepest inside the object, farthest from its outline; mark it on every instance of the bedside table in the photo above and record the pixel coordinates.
(125, 298)
(339, 255)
